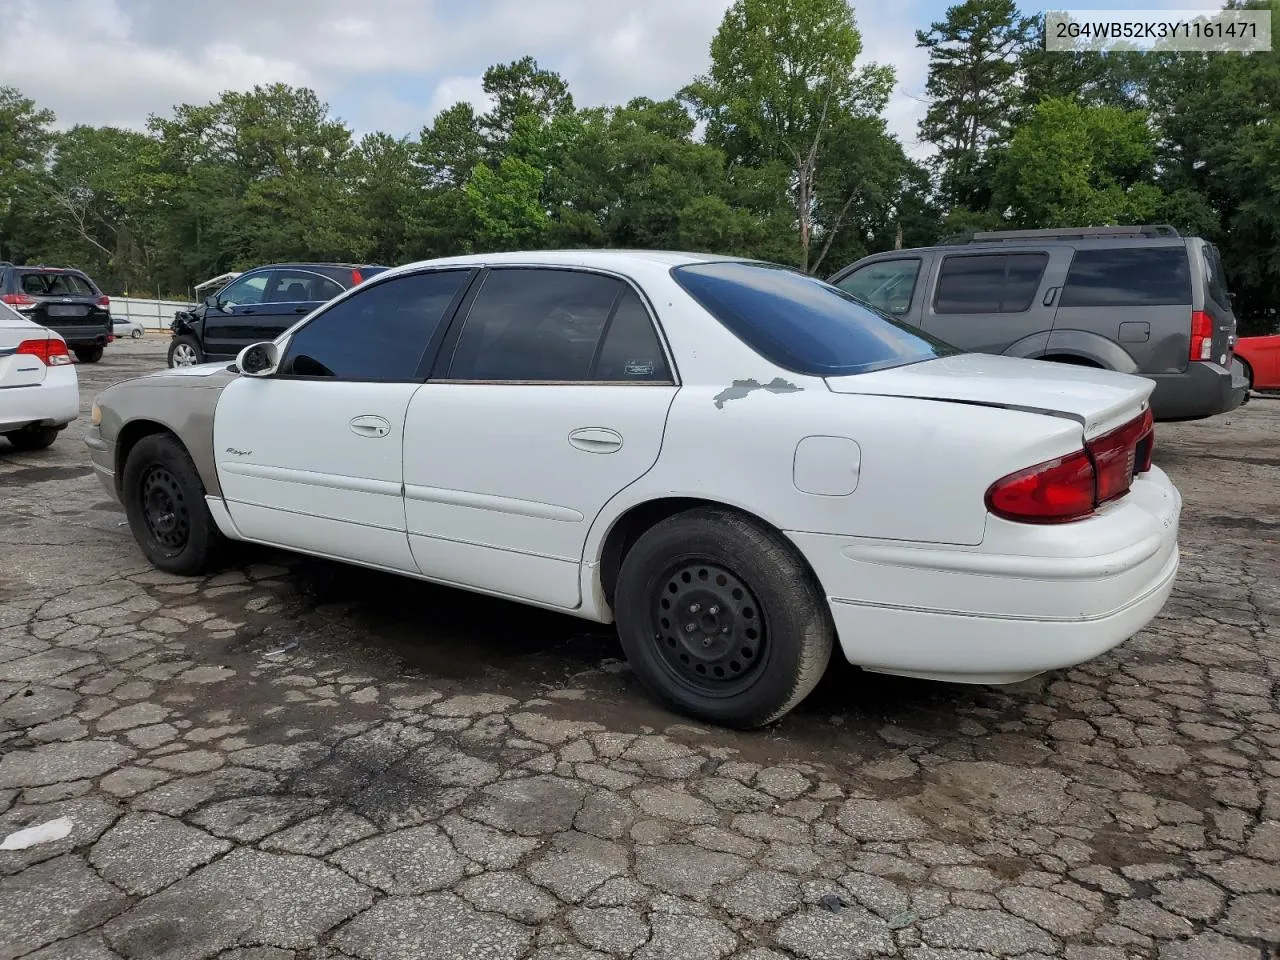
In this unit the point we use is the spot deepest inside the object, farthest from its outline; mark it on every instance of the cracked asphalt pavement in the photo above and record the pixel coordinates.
(295, 759)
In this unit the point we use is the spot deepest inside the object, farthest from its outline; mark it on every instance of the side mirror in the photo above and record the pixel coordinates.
(211, 300)
(259, 360)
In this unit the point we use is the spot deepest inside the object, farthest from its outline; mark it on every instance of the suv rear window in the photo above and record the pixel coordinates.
(1215, 279)
(801, 323)
(47, 283)
(1128, 277)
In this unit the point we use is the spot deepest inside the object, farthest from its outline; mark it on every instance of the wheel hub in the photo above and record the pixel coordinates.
(164, 508)
(708, 628)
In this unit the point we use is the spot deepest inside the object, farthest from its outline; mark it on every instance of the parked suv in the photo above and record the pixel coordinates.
(1141, 300)
(64, 300)
(257, 305)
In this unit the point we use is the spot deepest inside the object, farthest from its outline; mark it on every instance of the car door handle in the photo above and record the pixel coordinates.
(370, 425)
(596, 439)
(246, 311)
(301, 309)
(1051, 296)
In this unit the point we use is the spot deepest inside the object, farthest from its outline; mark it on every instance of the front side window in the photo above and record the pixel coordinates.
(535, 325)
(1120, 277)
(801, 323)
(300, 286)
(244, 291)
(379, 333)
(887, 284)
(989, 283)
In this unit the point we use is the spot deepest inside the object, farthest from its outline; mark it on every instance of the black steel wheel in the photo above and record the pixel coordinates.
(721, 619)
(164, 501)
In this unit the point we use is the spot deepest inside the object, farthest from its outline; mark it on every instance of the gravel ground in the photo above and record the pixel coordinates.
(294, 759)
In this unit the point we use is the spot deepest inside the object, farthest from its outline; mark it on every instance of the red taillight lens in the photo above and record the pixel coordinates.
(104, 301)
(19, 300)
(1201, 336)
(1070, 487)
(52, 351)
(1120, 454)
(1052, 492)
(357, 278)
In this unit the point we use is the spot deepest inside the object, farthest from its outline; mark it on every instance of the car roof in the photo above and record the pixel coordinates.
(343, 266)
(602, 259)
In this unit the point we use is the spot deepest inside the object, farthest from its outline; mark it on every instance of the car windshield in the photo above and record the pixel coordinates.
(803, 324)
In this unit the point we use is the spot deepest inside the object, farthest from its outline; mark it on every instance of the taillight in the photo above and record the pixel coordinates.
(1201, 336)
(19, 300)
(104, 301)
(1052, 492)
(357, 278)
(1071, 487)
(52, 351)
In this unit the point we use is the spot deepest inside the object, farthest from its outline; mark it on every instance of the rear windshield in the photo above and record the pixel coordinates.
(803, 324)
(46, 283)
(1128, 277)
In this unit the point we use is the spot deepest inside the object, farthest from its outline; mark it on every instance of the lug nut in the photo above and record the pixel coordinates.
(706, 641)
(714, 610)
(695, 607)
(689, 627)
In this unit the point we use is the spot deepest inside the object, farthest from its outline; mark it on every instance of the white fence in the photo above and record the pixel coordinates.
(152, 314)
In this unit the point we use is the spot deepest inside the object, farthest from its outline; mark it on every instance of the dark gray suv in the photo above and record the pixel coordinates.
(1141, 300)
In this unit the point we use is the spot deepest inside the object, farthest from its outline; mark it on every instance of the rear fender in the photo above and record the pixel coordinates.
(1096, 349)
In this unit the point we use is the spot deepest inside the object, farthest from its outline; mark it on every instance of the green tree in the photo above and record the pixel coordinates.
(25, 139)
(1072, 165)
(782, 73)
(522, 88)
(972, 62)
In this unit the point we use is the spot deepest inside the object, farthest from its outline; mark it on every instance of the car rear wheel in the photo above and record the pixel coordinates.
(721, 620)
(184, 352)
(33, 437)
(88, 354)
(136, 333)
(164, 501)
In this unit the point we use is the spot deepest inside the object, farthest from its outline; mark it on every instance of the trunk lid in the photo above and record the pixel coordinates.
(19, 369)
(1100, 400)
(63, 301)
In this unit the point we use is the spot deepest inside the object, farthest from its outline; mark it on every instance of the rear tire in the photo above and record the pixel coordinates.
(762, 632)
(164, 501)
(33, 438)
(88, 354)
(184, 351)
(135, 334)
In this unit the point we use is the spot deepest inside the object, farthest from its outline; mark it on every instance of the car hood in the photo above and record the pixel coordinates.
(1099, 399)
(198, 370)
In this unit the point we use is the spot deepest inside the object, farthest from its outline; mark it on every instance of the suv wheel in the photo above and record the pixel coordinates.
(721, 620)
(184, 352)
(88, 354)
(164, 501)
(33, 437)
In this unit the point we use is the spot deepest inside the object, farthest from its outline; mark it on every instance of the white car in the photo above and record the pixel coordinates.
(740, 465)
(123, 327)
(39, 391)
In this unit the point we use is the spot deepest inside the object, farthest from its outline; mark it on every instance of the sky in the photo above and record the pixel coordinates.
(392, 65)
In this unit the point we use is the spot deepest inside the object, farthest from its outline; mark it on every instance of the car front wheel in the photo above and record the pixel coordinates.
(184, 352)
(33, 438)
(164, 501)
(721, 620)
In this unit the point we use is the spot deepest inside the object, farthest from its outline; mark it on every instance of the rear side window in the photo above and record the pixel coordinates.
(887, 284)
(801, 323)
(1214, 277)
(379, 333)
(1151, 277)
(989, 283)
(48, 284)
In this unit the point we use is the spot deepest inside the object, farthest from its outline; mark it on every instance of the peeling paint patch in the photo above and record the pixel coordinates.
(741, 388)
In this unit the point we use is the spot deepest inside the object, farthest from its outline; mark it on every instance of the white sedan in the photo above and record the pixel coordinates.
(39, 391)
(124, 327)
(740, 465)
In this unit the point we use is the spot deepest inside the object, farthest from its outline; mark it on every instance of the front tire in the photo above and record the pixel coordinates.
(761, 634)
(164, 501)
(88, 354)
(185, 352)
(33, 437)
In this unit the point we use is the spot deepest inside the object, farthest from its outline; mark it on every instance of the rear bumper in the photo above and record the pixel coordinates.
(54, 402)
(1202, 390)
(1029, 599)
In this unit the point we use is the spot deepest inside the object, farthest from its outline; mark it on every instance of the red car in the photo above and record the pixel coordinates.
(1261, 359)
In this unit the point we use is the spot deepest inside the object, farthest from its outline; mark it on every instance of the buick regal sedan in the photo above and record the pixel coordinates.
(739, 465)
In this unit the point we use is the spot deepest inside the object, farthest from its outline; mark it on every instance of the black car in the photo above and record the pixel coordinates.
(258, 305)
(64, 300)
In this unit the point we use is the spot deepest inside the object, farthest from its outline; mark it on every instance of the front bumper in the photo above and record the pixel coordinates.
(103, 454)
(1203, 390)
(1029, 599)
(54, 402)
